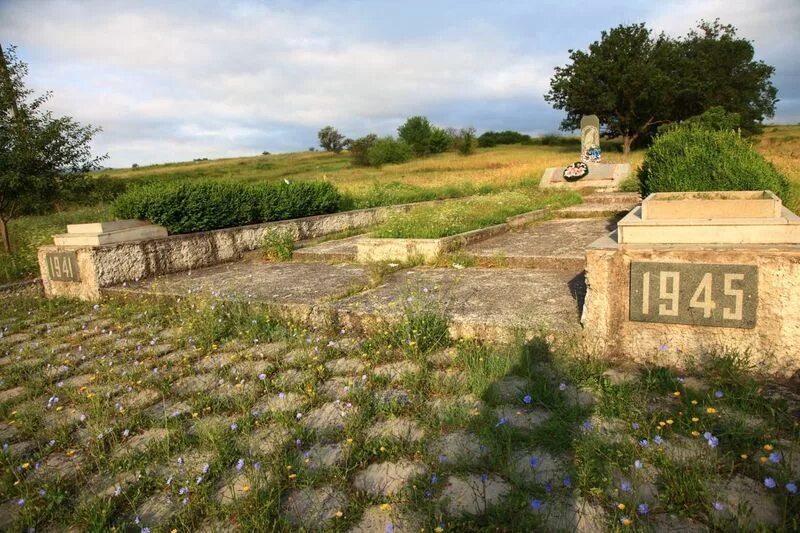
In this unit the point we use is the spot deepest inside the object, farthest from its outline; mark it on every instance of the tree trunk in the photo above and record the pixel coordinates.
(627, 141)
(4, 235)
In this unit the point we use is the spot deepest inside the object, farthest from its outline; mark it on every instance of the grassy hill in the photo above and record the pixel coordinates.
(446, 175)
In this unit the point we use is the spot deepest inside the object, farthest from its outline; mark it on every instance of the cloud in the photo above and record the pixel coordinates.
(169, 80)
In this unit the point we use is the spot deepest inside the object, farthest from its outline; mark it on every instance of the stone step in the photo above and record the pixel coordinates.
(552, 245)
(595, 210)
(337, 251)
(627, 198)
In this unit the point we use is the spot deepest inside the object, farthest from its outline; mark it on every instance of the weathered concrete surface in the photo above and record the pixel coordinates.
(109, 265)
(604, 176)
(774, 343)
(340, 250)
(296, 289)
(480, 302)
(555, 244)
(594, 210)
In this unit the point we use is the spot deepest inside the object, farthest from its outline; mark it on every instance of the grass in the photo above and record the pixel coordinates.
(100, 361)
(460, 216)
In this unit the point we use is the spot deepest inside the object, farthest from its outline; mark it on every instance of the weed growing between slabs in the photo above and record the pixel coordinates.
(207, 415)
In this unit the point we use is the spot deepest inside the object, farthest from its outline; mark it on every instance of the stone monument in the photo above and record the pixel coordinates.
(687, 274)
(588, 172)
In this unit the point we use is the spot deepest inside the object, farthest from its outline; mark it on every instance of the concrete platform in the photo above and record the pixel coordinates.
(555, 244)
(342, 250)
(595, 210)
(483, 303)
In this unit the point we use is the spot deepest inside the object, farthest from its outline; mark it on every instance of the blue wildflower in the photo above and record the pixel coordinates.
(635, 425)
(791, 487)
(643, 509)
(534, 461)
(643, 443)
(527, 399)
(719, 506)
(713, 441)
(502, 421)
(587, 425)
(775, 457)
(658, 439)
(536, 504)
(769, 483)
(718, 394)
(567, 482)
(239, 464)
(625, 486)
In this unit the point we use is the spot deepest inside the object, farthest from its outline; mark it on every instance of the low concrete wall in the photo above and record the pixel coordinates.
(113, 264)
(773, 344)
(427, 250)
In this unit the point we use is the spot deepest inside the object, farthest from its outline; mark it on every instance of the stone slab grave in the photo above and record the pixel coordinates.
(556, 244)
(602, 176)
(480, 302)
(664, 285)
(98, 233)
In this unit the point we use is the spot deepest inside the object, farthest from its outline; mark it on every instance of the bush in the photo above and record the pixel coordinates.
(359, 149)
(465, 141)
(494, 138)
(331, 140)
(713, 118)
(690, 158)
(278, 245)
(388, 150)
(201, 206)
(416, 132)
(440, 141)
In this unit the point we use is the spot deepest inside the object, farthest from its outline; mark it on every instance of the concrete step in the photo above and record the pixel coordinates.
(595, 210)
(626, 198)
(552, 245)
(336, 251)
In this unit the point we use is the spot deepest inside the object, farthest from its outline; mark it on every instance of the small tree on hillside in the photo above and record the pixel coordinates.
(331, 140)
(416, 132)
(41, 156)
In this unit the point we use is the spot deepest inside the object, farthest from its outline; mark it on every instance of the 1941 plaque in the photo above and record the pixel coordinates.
(694, 294)
(62, 266)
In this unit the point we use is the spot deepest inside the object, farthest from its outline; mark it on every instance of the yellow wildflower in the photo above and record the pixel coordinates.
(621, 506)
(710, 410)
(676, 393)
(768, 447)
(695, 419)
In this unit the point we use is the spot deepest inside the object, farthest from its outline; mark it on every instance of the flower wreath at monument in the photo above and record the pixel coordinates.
(576, 171)
(592, 154)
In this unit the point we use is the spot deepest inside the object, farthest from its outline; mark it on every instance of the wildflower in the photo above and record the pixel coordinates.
(562, 387)
(502, 421)
(180, 461)
(239, 464)
(198, 480)
(694, 402)
(695, 419)
(548, 487)
(768, 447)
(385, 507)
(744, 456)
(21, 502)
(769, 483)
(643, 443)
(663, 348)
(338, 514)
(638, 463)
(657, 439)
(625, 486)
(775, 457)
(298, 416)
(567, 482)
(42, 492)
(710, 410)
(117, 491)
(718, 394)
(183, 490)
(719, 506)
(536, 504)
(625, 521)
(587, 425)
(125, 433)
(527, 399)
(145, 530)
(257, 466)
(643, 509)
(534, 461)
(676, 393)
(713, 441)
(621, 506)
(695, 433)
(262, 376)
(791, 487)
(635, 426)
(434, 479)
(234, 426)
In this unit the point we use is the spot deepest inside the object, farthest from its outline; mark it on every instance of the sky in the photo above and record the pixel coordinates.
(173, 81)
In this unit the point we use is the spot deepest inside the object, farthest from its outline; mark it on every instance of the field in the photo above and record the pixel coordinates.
(442, 176)
(204, 416)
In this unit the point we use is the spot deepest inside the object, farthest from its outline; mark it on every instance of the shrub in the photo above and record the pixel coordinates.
(202, 206)
(388, 150)
(416, 132)
(713, 118)
(278, 244)
(440, 141)
(494, 138)
(690, 158)
(359, 149)
(465, 141)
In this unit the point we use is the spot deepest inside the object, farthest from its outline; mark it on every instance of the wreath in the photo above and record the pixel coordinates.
(576, 171)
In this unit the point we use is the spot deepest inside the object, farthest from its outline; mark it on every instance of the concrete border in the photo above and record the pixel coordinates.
(428, 250)
(618, 173)
(112, 264)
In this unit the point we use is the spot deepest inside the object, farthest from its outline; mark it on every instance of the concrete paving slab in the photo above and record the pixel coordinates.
(336, 250)
(306, 284)
(556, 244)
(480, 302)
(595, 210)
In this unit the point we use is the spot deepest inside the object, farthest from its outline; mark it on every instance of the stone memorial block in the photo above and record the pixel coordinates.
(62, 266)
(688, 274)
(590, 132)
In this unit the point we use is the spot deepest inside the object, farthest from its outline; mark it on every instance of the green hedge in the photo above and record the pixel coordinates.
(205, 205)
(691, 158)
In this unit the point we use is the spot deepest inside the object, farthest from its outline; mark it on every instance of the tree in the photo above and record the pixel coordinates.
(465, 141)
(634, 81)
(440, 141)
(359, 149)
(416, 132)
(331, 140)
(41, 156)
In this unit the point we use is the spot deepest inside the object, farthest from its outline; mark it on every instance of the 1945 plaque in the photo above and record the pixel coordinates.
(62, 266)
(694, 294)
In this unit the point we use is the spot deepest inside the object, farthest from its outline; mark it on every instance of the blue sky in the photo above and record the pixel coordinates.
(171, 81)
